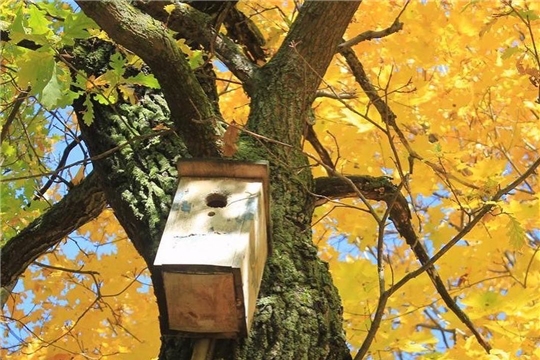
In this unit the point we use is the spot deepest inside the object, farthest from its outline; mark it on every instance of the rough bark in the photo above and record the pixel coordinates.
(196, 27)
(152, 41)
(299, 310)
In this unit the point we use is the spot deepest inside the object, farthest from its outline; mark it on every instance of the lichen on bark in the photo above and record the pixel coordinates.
(299, 312)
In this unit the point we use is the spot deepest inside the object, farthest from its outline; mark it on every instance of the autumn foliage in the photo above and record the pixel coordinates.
(453, 121)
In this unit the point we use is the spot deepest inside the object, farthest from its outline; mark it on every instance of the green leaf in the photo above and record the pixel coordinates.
(32, 74)
(107, 98)
(52, 9)
(508, 52)
(37, 21)
(196, 59)
(17, 31)
(525, 14)
(118, 64)
(80, 81)
(88, 116)
(52, 92)
(488, 299)
(76, 26)
(8, 149)
(144, 80)
(515, 232)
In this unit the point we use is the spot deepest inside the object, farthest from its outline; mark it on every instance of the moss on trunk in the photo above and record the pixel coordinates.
(299, 311)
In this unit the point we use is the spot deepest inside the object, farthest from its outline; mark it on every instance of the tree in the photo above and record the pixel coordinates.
(406, 131)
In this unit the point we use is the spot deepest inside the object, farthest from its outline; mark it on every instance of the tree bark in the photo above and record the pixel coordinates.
(299, 310)
(299, 314)
(190, 109)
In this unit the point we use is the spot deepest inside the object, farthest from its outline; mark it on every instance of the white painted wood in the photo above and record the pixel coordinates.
(214, 247)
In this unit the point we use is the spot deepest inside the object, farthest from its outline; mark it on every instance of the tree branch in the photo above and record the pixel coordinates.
(382, 190)
(372, 34)
(196, 26)
(61, 165)
(190, 108)
(293, 75)
(302, 44)
(373, 188)
(375, 34)
(83, 203)
(334, 95)
(16, 105)
(388, 116)
(311, 136)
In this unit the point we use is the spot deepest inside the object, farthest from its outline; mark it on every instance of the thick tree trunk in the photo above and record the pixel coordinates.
(299, 313)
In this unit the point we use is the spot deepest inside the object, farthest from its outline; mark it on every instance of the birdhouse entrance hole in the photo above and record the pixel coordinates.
(216, 200)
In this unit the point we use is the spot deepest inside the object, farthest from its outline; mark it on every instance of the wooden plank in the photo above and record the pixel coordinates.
(213, 251)
(203, 303)
(223, 168)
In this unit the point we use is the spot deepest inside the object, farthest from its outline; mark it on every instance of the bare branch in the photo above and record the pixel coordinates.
(16, 105)
(399, 213)
(100, 156)
(376, 34)
(372, 34)
(311, 136)
(389, 117)
(61, 164)
(373, 188)
(59, 268)
(333, 95)
(382, 190)
(479, 215)
(379, 312)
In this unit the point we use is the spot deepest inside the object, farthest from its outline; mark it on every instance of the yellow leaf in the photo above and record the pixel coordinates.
(76, 180)
(230, 138)
(169, 8)
(515, 232)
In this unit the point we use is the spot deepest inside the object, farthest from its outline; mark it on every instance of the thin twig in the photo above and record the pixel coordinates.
(16, 105)
(333, 95)
(311, 137)
(75, 271)
(93, 158)
(371, 34)
(61, 164)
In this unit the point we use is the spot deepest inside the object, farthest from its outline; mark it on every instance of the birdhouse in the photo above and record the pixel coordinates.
(214, 247)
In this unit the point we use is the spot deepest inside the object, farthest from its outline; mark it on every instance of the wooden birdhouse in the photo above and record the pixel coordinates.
(214, 247)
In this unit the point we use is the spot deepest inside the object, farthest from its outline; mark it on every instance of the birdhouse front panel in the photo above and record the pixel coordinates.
(213, 250)
(203, 303)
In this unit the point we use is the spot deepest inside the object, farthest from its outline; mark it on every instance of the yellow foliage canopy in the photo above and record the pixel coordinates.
(463, 81)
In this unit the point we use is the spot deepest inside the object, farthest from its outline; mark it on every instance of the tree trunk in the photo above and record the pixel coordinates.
(299, 314)
(299, 310)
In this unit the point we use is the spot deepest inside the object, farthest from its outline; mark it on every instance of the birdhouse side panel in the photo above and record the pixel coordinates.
(256, 260)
